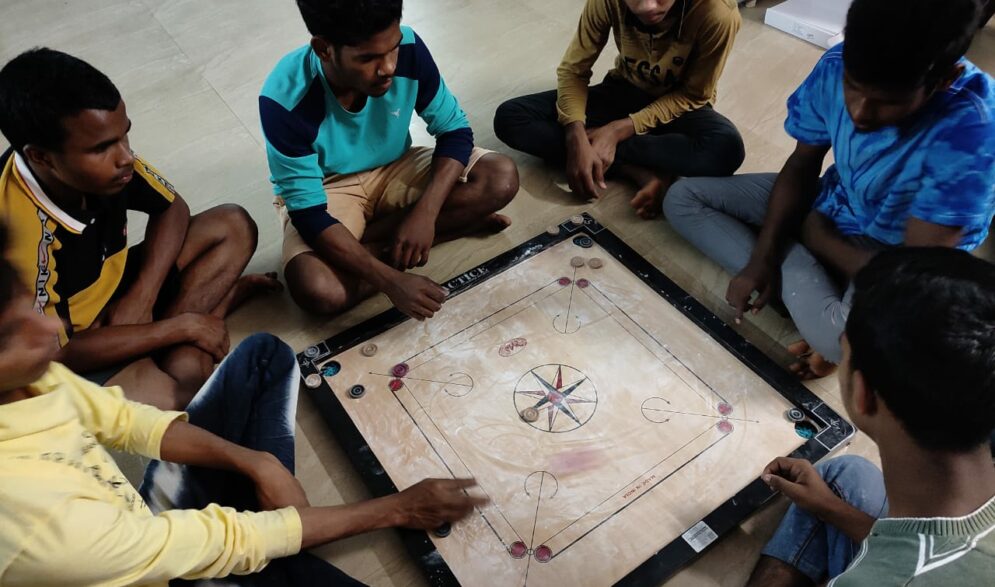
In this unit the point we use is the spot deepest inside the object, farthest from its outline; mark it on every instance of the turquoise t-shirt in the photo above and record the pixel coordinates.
(938, 167)
(310, 136)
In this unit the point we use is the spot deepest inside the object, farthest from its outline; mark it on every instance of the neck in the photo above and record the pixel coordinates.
(927, 484)
(63, 195)
(348, 98)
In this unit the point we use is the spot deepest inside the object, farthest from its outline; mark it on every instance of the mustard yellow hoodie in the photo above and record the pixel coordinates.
(69, 517)
(678, 61)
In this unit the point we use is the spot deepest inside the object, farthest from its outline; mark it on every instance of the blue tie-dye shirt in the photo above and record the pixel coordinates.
(938, 167)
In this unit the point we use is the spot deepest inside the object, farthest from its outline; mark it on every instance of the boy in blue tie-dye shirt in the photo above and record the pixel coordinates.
(911, 124)
(359, 204)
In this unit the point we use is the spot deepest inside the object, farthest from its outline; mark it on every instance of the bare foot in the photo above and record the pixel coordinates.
(648, 201)
(494, 224)
(810, 364)
(246, 287)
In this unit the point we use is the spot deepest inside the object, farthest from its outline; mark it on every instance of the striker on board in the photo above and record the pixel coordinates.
(617, 426)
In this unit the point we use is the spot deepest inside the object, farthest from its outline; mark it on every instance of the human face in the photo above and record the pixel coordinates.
(28, 343)
(367, 68)
(650, 12)
(873, 108)
(96, 157)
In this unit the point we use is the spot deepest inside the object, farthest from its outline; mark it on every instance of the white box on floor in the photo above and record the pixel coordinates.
(819, 22)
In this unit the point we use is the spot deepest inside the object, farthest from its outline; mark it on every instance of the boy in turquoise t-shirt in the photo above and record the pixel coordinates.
(359, 204)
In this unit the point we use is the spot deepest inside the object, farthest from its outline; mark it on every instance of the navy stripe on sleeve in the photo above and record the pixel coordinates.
(310, 222)
(415, 61)
(293, 132)
(457, 144)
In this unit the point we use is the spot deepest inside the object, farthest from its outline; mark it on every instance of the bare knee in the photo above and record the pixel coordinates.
(238, 225)
(500, 179)
(316, 290)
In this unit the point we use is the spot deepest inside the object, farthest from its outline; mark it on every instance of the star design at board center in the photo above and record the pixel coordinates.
(556, 397)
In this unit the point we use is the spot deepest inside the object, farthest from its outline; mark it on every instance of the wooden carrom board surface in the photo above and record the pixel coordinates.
(616, 425)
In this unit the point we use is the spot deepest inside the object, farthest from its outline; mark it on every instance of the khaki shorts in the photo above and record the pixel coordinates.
(358, 198)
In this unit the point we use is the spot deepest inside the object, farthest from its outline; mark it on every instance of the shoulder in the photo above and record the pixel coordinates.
(970, 101)
(292, 77)
(148, 176)
(715, 12)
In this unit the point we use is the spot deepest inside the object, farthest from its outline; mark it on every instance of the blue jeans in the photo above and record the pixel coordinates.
(815, 548)
(251, 400)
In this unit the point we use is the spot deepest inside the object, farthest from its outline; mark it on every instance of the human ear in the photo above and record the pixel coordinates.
(865, 401)
(322, 48)
(37, 156)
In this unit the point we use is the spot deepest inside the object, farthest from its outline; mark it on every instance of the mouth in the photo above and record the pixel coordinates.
(124, 178)
(655, 18)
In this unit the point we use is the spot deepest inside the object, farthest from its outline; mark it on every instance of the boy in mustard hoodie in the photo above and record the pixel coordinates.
(223, 500)
(651, 119)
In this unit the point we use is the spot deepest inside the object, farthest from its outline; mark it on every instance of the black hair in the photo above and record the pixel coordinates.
(922, 331)
(41, 87)
(348, 22)
(907, 44)
(10, 283)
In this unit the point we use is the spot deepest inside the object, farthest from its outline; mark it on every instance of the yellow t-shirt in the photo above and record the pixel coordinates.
(73, 261)
(678, 61)
(68, 516)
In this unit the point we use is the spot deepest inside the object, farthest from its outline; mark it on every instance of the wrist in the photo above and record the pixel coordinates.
(576, 132)
(623, 129)
(382, 276)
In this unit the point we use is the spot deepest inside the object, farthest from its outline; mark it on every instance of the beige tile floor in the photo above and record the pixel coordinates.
(190, 71)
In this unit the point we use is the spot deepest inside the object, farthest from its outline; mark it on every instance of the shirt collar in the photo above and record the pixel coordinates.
(41, 198)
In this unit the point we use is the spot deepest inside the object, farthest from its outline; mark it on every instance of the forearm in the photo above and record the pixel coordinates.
(666, 109)
(847, 519)
(187, 444)
(445, 173)
(164, 237)
(571, 98)
(338, 247)
(326, 524)
(99, 348)
(832, 249)
(791, 199)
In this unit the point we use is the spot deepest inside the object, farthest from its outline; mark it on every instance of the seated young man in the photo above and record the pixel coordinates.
(911, 124)
(69, 517)
(918, 377)
(359, 204)
(149, 319)
(651, 119)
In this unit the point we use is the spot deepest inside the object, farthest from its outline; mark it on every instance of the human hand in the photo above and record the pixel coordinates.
(206, 332)
(416, 296)
(798, 480)
(433, 502)
(603, 141)
(584, 167)
(413, 240)
(276, 487)
(755, 277)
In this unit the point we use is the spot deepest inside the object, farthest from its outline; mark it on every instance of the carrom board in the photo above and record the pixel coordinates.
(616, 425)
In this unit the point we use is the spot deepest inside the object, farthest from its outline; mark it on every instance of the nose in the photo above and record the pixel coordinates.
(389, 65)
(125, 158)
(862, 113)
